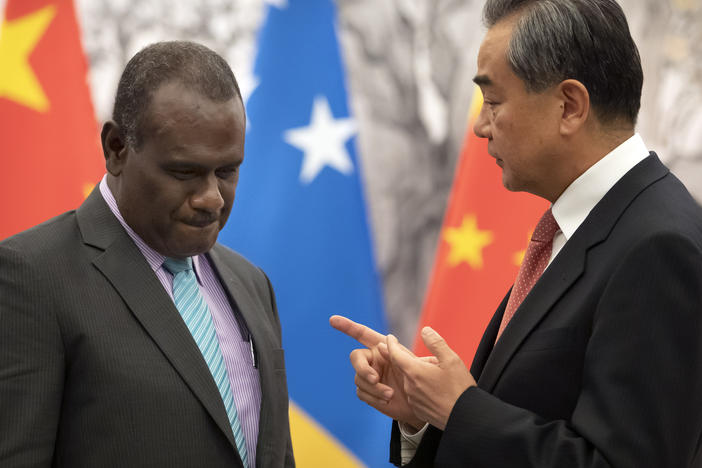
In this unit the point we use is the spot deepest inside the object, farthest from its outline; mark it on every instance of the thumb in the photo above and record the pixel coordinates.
(436, 344)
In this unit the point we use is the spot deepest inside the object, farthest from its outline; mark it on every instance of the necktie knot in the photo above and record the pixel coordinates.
(546, 228)
(177, 265)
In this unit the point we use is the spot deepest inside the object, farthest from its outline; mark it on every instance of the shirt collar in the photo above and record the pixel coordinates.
(581, 196)
(154, 259)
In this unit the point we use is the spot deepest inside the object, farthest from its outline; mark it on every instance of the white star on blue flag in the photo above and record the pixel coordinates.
(323, 141)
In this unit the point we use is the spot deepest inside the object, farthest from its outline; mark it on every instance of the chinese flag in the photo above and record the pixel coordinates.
(485, 232)
(49, 141)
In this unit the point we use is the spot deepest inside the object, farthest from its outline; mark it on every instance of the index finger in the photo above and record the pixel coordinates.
(361, 333)
(400, 356)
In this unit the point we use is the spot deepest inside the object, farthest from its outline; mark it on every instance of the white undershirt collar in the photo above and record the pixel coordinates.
(581, 196)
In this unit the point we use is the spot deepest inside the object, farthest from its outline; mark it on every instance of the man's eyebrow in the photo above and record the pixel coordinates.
(482, 80)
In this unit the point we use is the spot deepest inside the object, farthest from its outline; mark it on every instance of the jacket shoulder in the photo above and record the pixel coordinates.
(45, 239)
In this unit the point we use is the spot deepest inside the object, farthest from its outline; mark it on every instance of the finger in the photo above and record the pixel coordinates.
(430, 359)
(383, 350)
(361, 333)
(371, 399)
(378, 361)
(436, 344)
(361, 360)
(399, 356)
(405, 349)
(379, 390)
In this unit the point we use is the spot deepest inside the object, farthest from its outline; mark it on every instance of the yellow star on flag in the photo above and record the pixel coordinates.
(18, 38)
(467, 243)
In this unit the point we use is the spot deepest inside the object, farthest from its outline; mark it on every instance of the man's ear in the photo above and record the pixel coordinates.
(114, 147)
(576, 106)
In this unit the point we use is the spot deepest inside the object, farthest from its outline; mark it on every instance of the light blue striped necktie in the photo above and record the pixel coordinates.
(197, 317)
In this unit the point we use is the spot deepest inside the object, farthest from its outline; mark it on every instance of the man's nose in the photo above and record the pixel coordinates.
(208, 197)
(481, 127)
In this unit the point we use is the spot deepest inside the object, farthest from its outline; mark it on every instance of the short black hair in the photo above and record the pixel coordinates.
(585, 40)
(194, 65)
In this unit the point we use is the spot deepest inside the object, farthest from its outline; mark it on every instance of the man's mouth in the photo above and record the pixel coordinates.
(201, 222)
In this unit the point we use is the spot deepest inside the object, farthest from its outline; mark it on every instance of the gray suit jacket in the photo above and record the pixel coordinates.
(97, 368)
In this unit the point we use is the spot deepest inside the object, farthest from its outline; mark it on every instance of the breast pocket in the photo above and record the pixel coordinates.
(554, 338)
(545, 374)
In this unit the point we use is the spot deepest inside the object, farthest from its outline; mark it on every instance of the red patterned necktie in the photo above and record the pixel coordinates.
(535, 261)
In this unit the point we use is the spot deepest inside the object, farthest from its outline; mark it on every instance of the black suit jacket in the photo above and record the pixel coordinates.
(601, 365)
(97, 368)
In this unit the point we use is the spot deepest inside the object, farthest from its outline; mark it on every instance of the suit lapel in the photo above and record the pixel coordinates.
(254, 323)
(239, 296)
(130, 274)
(488, 340)
(565, 269)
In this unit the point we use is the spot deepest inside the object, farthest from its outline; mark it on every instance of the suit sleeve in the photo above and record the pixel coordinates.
(640, 403)
(31, 366)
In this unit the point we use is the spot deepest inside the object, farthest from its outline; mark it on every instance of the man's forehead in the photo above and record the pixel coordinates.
(175, 101)
(188, 119)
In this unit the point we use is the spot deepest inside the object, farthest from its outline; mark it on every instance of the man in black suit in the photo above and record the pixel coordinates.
(597, 361)
(110, 356)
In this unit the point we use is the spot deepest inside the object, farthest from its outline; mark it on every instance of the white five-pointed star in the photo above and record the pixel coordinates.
(323, 141)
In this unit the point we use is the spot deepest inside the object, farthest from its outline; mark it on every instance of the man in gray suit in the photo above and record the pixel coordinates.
(128, 336)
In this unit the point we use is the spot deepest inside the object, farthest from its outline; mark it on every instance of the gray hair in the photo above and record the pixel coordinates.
(193, 65)
(585, 40)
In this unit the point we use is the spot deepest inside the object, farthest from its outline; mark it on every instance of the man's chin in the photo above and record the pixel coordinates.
(192, 247)
(507, 182)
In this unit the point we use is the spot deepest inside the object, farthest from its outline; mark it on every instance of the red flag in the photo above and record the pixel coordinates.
(485, 232)
(49, 142)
